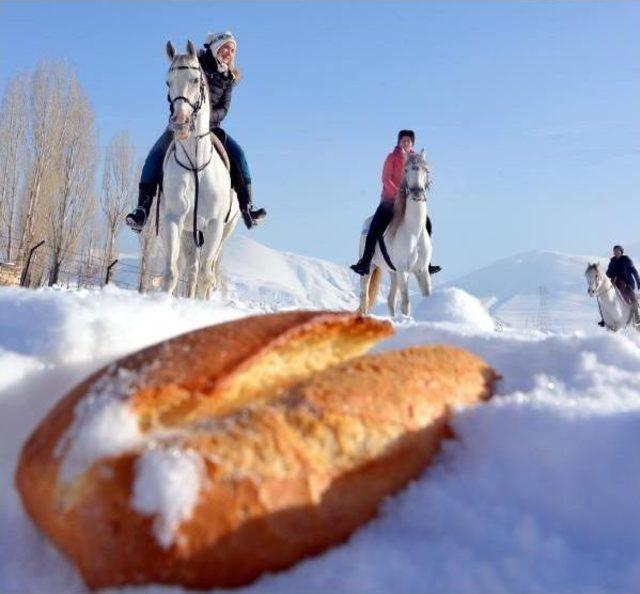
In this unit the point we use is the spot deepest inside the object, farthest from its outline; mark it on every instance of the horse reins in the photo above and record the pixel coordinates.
(195, 108)
(198, 236)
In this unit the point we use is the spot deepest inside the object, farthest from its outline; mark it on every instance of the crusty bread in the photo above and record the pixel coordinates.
(292, 438)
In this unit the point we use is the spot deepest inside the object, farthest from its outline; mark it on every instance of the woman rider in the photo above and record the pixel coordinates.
(217, 62)
(392, 173)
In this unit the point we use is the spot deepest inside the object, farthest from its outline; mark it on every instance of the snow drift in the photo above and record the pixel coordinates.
(538, 492)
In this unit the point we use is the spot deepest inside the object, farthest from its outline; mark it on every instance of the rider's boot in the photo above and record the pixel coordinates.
(380, 221)
(362, 266)
(250, 216)
(432, 269)
(138, 217)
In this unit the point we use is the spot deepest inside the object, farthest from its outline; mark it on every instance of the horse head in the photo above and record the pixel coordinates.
(416, 176)
(594, 278)
(187, 89)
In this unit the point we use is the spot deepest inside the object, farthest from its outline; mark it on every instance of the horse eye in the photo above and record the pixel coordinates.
(195, 80)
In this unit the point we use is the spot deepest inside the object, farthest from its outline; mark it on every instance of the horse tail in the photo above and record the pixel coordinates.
(374, 286)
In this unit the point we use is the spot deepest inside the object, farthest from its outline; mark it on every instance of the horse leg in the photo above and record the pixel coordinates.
(403, 282)
(424, 281)
(215, 268)
(393, 293)
(208, 255)
(364, 295)
(172, 247)
(191, 264)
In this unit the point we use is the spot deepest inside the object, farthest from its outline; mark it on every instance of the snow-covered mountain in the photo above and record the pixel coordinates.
(263, 277)
(257, 274)
(536, 290)
(539, 289)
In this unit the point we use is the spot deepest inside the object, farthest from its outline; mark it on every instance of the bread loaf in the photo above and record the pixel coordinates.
(215, 456)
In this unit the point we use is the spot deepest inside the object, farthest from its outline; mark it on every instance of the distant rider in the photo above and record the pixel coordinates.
(392, 174)
(218, 63)
(625, 277)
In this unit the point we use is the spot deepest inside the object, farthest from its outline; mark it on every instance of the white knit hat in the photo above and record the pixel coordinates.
(216, 40)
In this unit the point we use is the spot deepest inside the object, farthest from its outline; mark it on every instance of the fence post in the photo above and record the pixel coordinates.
(106, 280)
(24, 277)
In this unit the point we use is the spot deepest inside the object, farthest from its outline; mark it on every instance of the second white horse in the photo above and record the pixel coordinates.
(406, 239)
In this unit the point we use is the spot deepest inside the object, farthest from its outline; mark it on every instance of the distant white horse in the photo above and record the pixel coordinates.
(407, 242)
(198, 210)
(614, 309)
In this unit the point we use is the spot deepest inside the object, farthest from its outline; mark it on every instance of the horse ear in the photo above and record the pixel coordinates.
(422, 153)
(191, 49)
(171, 51)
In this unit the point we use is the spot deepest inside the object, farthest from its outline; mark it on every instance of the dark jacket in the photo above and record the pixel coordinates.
(622, 268)
(220, 87)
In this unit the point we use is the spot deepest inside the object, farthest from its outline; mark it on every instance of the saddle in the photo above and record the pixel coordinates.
(626, 292)
(221, 150)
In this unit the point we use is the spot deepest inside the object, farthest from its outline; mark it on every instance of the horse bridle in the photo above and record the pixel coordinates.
(416, 193)
(194, 168)
(195, 108)
(601, 289)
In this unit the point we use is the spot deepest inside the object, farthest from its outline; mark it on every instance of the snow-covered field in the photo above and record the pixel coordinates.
(539, 492)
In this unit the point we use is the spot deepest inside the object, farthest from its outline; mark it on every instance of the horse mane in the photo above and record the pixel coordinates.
(399, 209)
(400, 205)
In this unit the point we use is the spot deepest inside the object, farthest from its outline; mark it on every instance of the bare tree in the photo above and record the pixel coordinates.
(75, 162)
(118, 188)
(44, 117)
(13, 126)
(90, 260)
(148, 248)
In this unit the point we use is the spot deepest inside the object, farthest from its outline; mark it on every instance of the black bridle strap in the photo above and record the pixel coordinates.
(385, 253)
(198, 237)
(197, 107)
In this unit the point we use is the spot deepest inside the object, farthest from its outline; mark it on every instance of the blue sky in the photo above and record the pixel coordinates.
(529, 111)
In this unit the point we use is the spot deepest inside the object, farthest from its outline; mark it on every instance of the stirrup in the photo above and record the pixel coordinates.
(258, 214)
(136, 219)
(360, 268)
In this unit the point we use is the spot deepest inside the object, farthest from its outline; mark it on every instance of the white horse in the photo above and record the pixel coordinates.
(198, 210)
(614, 309)
(406, 239)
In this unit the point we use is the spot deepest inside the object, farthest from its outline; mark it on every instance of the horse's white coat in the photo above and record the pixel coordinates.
(216, 198)
(407, 240)
(615, 311)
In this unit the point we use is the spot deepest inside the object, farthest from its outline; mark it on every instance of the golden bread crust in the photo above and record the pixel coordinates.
(287, 469)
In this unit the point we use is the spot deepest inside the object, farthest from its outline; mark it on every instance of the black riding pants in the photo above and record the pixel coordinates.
(152, 170)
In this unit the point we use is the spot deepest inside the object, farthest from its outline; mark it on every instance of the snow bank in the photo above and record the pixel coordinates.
(538, 493)
(454, 306)
(66, 326)
(14, 367)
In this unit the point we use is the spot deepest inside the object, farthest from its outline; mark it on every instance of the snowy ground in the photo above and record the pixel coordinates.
(540, 492)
